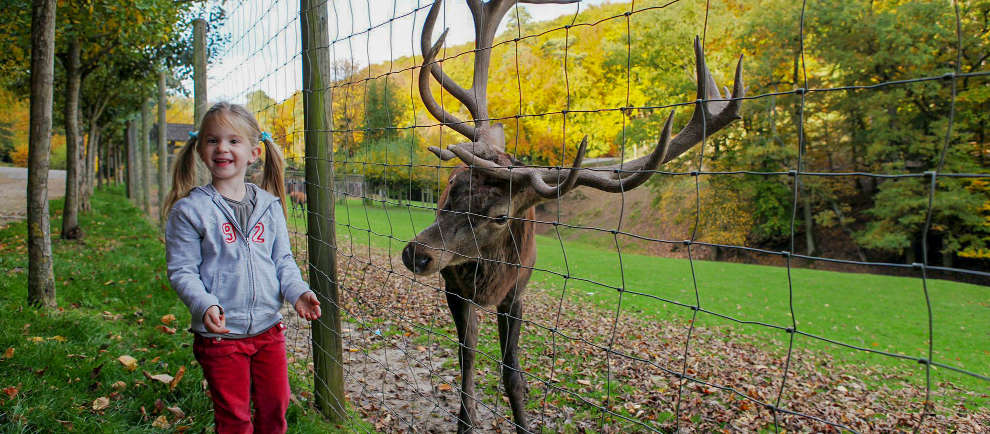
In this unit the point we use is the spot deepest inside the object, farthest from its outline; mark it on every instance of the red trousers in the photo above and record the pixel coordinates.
(240, 371)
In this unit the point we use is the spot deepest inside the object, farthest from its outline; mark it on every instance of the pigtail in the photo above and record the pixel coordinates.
(273, 178)
(183, 175)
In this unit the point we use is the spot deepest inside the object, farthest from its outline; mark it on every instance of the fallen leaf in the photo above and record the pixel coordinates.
(178, 376)
(167, 319)
(166, 330)
(9, 353)
(101, 403)
(584, 382)
(36, 339)
(159, 405)
(120, 385)
(66, 424)
(57, 339)
(10, 391)
(161, 378)
(96, 371)
(177, 412)
(443, 387)
(161, 422)
(129, 362)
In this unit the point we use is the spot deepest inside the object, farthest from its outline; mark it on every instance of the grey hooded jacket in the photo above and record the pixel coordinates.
(213, 261)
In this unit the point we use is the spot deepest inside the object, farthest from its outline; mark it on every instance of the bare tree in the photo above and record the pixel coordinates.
(41, 277)
(482, 241)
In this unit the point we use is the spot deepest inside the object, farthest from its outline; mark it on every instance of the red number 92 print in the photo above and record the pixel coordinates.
(229, 236)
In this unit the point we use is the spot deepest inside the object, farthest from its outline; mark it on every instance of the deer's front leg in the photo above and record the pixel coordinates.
(467, 336)
(509, 322)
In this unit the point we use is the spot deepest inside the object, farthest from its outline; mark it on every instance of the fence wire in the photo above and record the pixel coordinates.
(641, 349)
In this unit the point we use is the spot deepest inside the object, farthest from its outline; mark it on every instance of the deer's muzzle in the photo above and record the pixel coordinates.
(416, 259)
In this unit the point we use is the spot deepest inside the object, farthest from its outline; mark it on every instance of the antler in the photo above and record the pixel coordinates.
(486, 18)
(712, 112)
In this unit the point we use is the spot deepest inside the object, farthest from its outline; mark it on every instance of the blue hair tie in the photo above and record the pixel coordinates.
(266, 137)
(193, 134)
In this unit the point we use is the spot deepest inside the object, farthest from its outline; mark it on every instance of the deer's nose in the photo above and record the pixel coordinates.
(412, 261)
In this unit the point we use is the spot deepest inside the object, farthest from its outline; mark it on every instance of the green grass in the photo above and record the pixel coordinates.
(882, 313)
(112, 293)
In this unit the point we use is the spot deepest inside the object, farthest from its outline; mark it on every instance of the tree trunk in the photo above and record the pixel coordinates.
(162, 148)
(73, 79)
(92, 147)
(132, 190)
(41, 276)
(146, 157)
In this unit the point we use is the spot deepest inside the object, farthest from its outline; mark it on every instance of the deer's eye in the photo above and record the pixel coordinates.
(502, 219)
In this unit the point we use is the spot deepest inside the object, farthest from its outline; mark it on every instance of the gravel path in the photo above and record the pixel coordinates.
(13, 191)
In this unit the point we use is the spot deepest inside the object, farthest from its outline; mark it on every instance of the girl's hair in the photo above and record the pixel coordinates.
(238, 118)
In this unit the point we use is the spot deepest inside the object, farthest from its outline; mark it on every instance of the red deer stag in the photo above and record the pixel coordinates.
(482, 239)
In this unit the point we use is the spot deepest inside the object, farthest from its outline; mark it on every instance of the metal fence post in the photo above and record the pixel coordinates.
(327, 342)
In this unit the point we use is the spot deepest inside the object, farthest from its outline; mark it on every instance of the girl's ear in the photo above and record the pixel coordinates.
(255, 153)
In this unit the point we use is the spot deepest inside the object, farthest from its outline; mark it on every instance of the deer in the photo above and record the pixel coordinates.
(482, 240)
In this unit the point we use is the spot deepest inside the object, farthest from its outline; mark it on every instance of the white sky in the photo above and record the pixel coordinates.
(265, 43)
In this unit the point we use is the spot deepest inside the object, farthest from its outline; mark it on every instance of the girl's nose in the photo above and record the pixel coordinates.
(222, 146)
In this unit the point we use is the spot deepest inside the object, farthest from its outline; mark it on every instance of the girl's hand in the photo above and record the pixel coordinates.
(307, 306)
(214, 321)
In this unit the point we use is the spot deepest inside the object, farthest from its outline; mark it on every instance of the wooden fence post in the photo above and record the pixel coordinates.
(163, 184)
(146, 156)
(200, 99)
(130, 168)
(327, 339)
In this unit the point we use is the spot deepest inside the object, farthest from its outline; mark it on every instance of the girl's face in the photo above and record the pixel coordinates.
(225, 151)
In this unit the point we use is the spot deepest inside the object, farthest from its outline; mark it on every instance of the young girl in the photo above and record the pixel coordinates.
(227, 248)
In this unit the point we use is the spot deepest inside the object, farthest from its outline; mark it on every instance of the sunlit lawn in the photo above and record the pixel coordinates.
(880, 313)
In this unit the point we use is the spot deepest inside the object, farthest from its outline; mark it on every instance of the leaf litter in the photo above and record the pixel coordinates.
(403, 375)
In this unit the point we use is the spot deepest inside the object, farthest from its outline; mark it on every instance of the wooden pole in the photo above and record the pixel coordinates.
(199, 70)
(132, 190)
(146, 156)
(41, 276)
(163, 186)
(200, 99)
(327, 344)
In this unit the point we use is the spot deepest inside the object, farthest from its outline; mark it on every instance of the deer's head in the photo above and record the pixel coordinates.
(488, 201)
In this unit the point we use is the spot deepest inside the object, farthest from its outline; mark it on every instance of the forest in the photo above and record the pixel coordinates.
(871, 124)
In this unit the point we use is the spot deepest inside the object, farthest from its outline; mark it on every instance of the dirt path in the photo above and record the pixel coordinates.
(13, 191)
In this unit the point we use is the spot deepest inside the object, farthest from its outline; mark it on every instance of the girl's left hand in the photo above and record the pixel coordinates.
(307, 306)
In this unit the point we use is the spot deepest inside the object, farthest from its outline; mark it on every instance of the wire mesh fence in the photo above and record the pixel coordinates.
(636, 316)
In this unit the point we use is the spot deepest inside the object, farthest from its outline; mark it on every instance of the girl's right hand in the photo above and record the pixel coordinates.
(214, 321)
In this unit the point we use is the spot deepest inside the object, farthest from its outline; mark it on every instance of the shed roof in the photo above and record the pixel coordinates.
(174, 133)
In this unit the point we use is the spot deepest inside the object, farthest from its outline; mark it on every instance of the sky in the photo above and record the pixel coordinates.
(265, 43)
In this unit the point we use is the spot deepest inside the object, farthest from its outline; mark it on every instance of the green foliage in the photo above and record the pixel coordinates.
(645, 60)
(112, 292)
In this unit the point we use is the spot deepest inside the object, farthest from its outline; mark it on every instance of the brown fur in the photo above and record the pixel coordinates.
(298, 198)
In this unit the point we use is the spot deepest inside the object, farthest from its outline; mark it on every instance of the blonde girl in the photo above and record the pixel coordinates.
(229, 261)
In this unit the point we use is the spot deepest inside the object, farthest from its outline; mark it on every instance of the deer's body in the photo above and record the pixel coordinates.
(482, 241)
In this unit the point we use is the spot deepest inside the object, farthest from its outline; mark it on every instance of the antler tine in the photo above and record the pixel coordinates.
(429, 53)
(525, 176)
(708, 118)
(713, 114)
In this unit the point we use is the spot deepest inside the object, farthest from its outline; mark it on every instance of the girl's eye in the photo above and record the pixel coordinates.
(501, 219)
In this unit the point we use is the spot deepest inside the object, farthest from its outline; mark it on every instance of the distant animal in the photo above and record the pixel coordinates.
(298, 199)
(482, 241)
